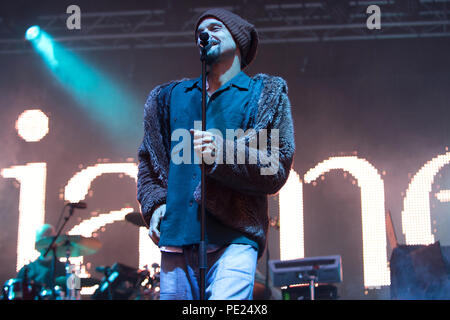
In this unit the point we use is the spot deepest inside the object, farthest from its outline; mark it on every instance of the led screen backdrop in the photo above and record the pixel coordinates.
(372, 134)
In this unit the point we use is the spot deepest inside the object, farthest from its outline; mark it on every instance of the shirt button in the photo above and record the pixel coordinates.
(191, 203)
(194, 176)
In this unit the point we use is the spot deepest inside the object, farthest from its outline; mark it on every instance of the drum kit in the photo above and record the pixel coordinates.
(119, 281)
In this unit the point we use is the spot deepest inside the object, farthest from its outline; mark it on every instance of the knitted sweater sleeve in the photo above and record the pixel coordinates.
(153, 153)
(267, 165)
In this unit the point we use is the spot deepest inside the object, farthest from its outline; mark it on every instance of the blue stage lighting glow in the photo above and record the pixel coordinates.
(32, 33)
(104, 99)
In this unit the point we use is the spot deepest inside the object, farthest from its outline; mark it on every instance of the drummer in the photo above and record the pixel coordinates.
(40, 270)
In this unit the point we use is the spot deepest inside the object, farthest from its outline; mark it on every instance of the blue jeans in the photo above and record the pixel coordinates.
(230, 274)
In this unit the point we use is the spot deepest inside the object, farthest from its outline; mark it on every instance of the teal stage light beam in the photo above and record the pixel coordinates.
(107, 101)
(43, 44)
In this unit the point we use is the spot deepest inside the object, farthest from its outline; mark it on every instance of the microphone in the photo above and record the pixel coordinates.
(205, 42)
(204, 37)
(78, 205)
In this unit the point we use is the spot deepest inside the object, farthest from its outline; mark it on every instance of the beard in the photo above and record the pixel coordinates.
(213, 55)
(218, 53)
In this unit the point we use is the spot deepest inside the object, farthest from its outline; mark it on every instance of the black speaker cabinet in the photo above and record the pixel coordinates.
(420, 272)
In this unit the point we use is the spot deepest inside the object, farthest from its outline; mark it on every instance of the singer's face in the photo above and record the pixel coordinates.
(217, 31)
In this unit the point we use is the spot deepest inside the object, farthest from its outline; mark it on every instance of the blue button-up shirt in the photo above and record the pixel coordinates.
(227, 108)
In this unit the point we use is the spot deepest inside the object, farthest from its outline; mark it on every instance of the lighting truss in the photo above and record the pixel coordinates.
(276, 22)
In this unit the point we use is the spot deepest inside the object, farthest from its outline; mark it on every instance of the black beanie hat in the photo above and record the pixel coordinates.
(242, 31)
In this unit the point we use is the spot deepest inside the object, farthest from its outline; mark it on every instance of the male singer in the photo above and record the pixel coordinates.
(236, 190)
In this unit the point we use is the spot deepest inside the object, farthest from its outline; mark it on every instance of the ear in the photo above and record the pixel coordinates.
(239, 54)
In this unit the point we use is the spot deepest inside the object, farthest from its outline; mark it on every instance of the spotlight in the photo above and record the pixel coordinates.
(32, 33)
(42, 42)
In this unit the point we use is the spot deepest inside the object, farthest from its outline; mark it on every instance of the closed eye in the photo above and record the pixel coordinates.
(215, 27)
(211, 27)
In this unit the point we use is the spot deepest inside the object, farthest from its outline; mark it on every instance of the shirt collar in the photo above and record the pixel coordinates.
(241, 81)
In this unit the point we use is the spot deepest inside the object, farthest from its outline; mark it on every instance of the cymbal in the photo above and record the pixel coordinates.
(74, 245)
(84, 282)
(136, 219)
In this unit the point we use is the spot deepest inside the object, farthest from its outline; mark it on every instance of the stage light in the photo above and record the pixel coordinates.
(43, 44)
(32, 33)
(88, 227)
(443, 196)
(32, 178)
(108, 102)
(291, 219)
(416, 215)
(149, 252)
(78, 186)
(32, 125)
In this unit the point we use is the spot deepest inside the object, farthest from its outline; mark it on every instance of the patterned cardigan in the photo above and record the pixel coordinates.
(236, 194)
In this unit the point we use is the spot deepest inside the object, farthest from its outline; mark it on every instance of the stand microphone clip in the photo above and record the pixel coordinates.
(72, 206)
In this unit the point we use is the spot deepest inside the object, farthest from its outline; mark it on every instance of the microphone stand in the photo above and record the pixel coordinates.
(202, 247)
(51, 247)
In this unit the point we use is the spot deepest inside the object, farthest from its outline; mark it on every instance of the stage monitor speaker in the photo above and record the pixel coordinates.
(325, 269)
